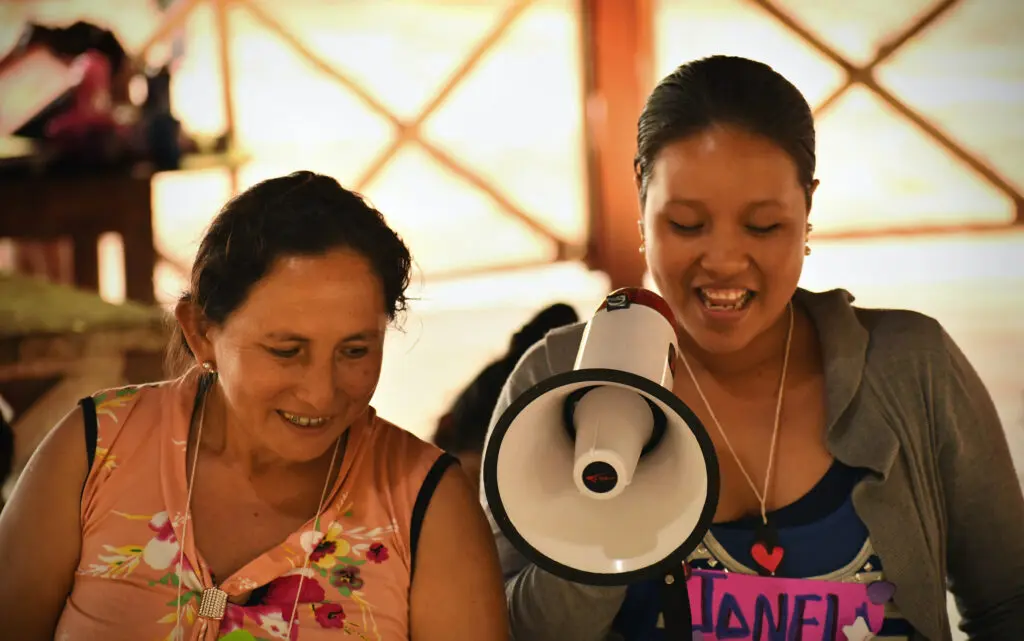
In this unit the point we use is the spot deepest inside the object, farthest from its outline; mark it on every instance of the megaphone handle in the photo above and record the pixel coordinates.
(675, 605)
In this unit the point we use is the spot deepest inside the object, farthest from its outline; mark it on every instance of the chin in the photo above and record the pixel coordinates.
(721, 336)
(303, 444)
(720, 344)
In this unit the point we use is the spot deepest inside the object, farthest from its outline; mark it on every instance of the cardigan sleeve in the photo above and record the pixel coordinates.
(984, 504)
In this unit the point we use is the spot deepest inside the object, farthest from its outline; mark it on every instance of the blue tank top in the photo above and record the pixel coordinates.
(823, 539)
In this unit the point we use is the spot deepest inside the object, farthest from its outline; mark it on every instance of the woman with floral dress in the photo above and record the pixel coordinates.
(258, 496)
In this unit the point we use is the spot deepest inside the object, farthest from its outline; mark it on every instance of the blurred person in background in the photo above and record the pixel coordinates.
(258, 495)
(461, 431)
(887, 460)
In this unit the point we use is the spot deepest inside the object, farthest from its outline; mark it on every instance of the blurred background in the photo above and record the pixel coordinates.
(497, 137)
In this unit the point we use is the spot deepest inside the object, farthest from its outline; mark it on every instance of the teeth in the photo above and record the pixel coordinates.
(725, 298)
(304, 421)
(724, 295)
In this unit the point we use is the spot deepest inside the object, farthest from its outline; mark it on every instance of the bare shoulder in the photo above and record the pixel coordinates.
(37, 555)
(63, 448)
(457, 591)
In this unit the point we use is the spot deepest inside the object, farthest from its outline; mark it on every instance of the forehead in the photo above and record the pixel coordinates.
(334, 293)
(724, 159)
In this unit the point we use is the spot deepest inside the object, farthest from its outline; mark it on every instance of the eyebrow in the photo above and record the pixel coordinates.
(297, 338)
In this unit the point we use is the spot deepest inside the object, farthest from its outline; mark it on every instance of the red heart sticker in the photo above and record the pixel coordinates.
(768, 560)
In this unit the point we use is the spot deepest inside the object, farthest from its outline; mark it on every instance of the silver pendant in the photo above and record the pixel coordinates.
(213, 603)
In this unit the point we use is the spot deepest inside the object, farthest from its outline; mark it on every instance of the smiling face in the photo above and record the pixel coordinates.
(725, 222)
(299, 360)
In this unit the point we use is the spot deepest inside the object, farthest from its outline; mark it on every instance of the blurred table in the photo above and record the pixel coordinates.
(50, 206)
(59, 344)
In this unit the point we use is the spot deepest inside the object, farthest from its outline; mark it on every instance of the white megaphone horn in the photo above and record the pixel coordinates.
(601, 475)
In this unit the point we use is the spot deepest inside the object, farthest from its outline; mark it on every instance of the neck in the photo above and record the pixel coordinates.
(766, 350)
(224, 439)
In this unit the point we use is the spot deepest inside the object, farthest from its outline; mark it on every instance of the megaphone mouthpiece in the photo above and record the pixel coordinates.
(613, 424)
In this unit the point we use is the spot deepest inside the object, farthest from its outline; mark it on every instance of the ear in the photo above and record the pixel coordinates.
(810, 193)
(641, 201)
(196, 328)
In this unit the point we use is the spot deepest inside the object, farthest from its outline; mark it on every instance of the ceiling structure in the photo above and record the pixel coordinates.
(532, 160)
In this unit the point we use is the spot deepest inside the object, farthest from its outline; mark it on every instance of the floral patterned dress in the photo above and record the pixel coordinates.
(133, 508)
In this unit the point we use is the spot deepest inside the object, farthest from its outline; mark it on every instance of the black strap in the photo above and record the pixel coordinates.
(91, 429)
(419, 510)
(675, 605)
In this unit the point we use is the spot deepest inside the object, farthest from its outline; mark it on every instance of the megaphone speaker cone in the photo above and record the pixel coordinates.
(601, 474)
(596, 508)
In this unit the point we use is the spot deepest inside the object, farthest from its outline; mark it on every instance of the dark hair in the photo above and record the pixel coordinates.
(726, 90)
(464, 426)
(301, 214)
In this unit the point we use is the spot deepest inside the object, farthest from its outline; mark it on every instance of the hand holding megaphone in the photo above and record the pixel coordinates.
(601, 475)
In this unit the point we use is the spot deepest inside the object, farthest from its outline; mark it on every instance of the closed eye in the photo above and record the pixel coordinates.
(283, 353)
(686, 229)
(763, 230)
(355, 352)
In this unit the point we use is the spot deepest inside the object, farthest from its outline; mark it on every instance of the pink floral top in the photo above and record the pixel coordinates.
(133, 507)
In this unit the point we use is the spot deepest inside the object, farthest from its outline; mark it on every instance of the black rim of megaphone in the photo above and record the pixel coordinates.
(647, 386)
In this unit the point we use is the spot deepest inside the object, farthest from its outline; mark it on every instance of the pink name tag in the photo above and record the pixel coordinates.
(727, 605)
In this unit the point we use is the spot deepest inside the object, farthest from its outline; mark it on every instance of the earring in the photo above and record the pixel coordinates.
(643, 249)
(807, 250)
(209, 367)
(810, 228)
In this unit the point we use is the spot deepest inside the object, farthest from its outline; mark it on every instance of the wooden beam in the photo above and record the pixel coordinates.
(618, 58)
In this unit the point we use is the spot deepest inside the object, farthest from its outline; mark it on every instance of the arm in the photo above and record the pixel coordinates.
(40, 533)
(984, 506)
(542, 606)
(456, 588)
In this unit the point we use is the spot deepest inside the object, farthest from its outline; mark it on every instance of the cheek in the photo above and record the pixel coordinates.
(358, 379)
(669, 258)
(780, 261)
(252, 380)
(667, 253)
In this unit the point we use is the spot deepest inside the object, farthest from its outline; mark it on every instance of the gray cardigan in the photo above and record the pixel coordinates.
(944, 503)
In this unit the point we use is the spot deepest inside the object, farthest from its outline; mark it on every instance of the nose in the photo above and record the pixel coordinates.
(318, 387)
(725, 255)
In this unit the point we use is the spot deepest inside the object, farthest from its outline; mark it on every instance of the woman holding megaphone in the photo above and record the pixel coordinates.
(862, 467)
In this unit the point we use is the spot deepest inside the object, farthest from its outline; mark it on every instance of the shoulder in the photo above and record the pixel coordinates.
(403, 477)
(400, 447)
(887, 336)
(403, 465)
(114, 406)
(904, 331)
(554, 354)
(904, 343)
(118, 402)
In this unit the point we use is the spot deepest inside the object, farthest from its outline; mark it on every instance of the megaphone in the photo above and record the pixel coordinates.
(601, 475)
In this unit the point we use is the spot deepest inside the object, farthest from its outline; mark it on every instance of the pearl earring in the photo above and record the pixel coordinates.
(208, 366)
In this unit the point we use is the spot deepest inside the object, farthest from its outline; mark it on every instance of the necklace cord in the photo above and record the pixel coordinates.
(762, 496)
